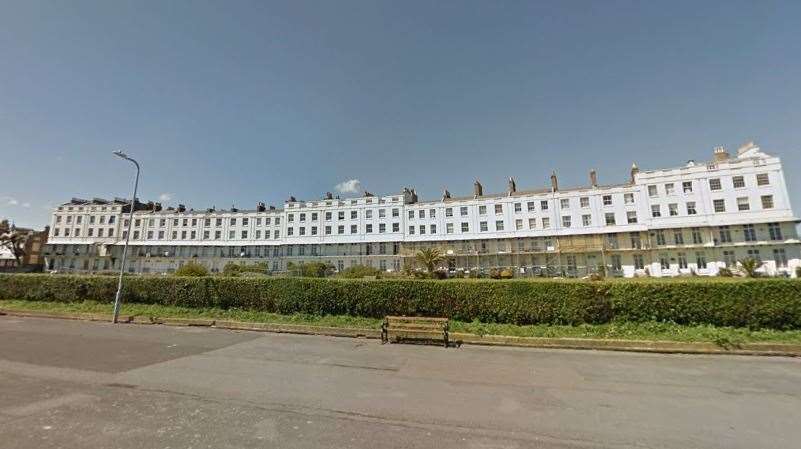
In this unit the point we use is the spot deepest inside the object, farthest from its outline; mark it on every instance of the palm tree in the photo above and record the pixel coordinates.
(749, 267)
(429, 257)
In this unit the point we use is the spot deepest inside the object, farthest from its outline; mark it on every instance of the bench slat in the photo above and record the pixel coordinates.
(416, 318)
(436, 328)
(416, 331)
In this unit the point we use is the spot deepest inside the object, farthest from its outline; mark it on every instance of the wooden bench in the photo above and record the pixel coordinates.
(412, 328)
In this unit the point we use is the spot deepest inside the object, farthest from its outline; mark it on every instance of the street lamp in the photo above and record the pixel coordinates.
(117, 299)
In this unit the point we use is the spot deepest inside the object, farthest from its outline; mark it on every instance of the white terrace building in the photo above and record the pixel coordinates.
(697, 218)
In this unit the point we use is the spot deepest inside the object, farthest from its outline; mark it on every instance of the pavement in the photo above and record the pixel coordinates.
(78, 384)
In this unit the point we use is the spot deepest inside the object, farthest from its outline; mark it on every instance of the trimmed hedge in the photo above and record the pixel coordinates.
(758, 303)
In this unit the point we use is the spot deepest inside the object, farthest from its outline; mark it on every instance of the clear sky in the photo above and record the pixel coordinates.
(234, 102)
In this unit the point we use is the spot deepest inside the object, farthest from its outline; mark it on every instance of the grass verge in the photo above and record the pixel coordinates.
(653, 331)
(186, 312)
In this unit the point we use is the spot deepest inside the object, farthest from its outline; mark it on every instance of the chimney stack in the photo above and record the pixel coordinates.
(329, 196)
(181, 208)
(260, 207)
(593, 178)
(746, 146)
(292, 199)
(554, 182)
(720, 154)
(446, 195)
(409, 196)
(477, 189)
(511, 187)
(634, 172)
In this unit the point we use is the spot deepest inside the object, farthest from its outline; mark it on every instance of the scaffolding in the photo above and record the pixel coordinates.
(558, 256)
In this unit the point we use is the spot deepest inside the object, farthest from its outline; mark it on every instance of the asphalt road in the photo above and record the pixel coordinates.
(71, 384)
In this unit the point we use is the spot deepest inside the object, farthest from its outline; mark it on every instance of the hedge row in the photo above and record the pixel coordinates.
(759, 303)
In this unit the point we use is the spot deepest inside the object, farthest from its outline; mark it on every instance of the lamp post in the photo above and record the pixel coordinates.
(118, 298)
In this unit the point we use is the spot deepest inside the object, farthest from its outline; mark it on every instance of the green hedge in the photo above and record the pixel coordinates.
(771, 303)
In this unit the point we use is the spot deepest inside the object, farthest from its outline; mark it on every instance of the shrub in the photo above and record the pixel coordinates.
(725, 272)
(358, 272)
(192, 269)
(600, 271)
(310, 269)
(595, 277)
(235, 269)
(439, 274)
(756, 303)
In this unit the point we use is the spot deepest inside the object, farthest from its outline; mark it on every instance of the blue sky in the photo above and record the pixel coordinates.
(238, 102)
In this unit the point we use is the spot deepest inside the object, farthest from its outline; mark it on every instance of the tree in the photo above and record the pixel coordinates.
(429, 258)
(749, 267)
(192, 269)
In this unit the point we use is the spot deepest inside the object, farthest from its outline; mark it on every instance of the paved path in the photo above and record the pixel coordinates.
(78, 384)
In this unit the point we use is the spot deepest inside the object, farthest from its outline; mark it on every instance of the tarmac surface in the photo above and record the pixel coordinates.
(77, 384)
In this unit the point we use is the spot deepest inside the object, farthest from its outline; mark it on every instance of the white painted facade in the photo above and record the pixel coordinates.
(7, 258)
(696, 218)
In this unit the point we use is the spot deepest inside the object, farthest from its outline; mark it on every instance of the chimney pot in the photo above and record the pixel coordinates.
(554, 182)
(593, 178)
(720, 154)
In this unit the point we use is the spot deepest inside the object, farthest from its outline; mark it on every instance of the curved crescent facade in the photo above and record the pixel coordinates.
(697, 218)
